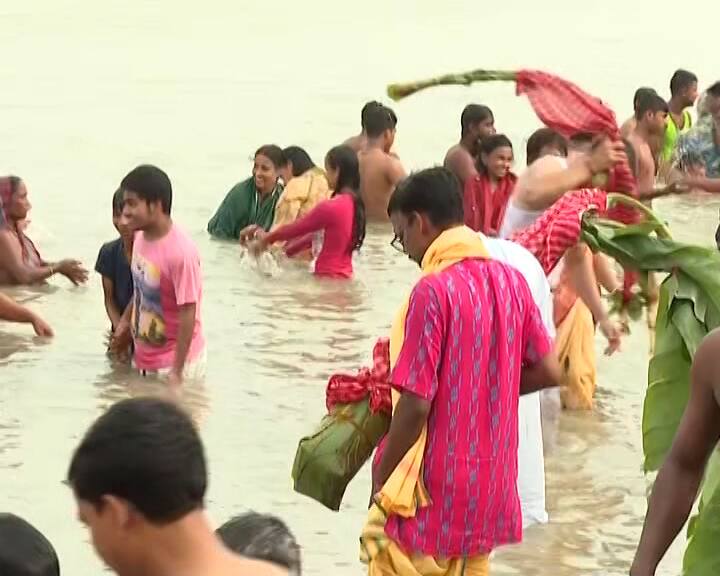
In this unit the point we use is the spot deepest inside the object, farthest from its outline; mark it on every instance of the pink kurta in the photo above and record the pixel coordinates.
(469, 330)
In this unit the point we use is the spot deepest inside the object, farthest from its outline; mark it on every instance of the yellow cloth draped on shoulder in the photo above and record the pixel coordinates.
(404, 492)
(301, 194)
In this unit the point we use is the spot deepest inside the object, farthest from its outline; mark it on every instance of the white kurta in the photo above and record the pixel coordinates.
(531, 462)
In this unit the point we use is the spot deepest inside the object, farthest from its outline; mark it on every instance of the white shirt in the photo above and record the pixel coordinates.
(531, 461)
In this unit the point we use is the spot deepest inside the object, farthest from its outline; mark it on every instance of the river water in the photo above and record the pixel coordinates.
(89, 89)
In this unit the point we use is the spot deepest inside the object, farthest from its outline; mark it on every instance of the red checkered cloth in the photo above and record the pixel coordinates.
(567, 109)
(558, 229)
(375, 383)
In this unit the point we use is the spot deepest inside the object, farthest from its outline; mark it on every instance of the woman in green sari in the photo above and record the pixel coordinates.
(253, 200)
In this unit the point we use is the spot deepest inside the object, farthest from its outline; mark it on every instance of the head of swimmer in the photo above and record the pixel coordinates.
(147, 198)
(477, 122)
(496, 156)
(118, 204)
(651, 113)
(422, 207)
(545, 142)
(297, 162)
(137, 474)
(684, 87)
(16, 204)
(269, 162)
(381, 126)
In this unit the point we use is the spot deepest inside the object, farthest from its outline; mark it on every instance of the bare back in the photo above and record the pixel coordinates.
(10, 257)
(380, 173)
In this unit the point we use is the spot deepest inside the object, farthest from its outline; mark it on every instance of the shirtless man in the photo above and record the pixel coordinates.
(650, 116)
(380, 170)
(476, 122)
(148, 517)
(359, 141)
(678, 481)
(629, 124)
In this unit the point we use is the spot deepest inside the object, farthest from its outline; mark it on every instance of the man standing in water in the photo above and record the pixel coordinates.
(678, 481)
(359, 142)
(651, 116)
(139, 479)
(476, 122)
(683, 94)
(473, 341)
(380, 170)
(165, 311)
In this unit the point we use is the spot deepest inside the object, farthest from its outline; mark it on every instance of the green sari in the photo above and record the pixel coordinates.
(241, 207)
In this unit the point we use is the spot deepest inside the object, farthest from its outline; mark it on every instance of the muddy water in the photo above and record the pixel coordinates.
(89, 89)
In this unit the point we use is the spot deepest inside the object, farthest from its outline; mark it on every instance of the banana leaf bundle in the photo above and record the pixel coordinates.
(359, 409)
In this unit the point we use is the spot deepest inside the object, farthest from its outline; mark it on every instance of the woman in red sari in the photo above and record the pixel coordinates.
(487, 195)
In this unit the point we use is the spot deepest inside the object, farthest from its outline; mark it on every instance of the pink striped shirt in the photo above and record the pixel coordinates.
(468, 332)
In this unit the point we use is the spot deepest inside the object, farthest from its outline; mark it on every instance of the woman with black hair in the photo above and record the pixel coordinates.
(337, 224)
(252, 201)
(306, 186)
(487, 194)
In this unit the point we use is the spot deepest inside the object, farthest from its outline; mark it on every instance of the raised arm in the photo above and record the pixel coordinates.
(317, 219)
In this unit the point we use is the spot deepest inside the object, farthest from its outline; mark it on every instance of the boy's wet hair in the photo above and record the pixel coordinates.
(650, 103)
(472, 115)
(435, 192)
(382, 118)
(543, 138)
(147, 452)
(262, 537)
(24, 551)
(151, 185)
(681, 80)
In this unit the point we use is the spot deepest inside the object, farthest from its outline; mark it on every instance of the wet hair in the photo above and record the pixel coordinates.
(150, 184)
(273, 153)
(368, 110)
(681, 80)
(714, 90)
(147, 452)
(24, 551)
(380, 120)
(473, 114)
(541, 139)
(301, 161)
(650, 103)
(393, 117)
(345, 160)
(118, 201)
(631, 156)
(641, 93)
(490, 144)
(262, 537)
(434, 192)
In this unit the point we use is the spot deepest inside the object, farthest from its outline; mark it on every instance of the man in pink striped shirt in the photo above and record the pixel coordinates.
(474, 341)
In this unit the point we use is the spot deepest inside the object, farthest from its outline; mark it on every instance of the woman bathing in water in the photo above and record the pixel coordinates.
(20, 261)
(486, 195)
(337, 225)
(252, 201)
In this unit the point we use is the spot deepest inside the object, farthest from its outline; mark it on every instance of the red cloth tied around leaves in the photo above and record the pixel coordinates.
(558, 228)
(484, 207)
(375, 383)
(567, 109)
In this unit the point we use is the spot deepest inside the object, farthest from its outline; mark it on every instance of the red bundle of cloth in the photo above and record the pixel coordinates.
(368, 382)
(567, 109)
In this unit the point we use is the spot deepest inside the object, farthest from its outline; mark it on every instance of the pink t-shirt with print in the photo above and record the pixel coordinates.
(166, 275)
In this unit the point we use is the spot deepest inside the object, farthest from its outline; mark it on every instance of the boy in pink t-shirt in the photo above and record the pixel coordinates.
(164, 318)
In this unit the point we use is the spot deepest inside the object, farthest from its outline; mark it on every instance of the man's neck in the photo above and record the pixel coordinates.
(183, 548)
(641, 130)
(375, 144)
(676, 106)
(159, 229)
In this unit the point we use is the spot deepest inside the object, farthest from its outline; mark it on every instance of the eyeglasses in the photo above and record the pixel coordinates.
(397, 243)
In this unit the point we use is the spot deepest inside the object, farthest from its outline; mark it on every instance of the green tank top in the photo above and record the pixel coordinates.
(671, 134)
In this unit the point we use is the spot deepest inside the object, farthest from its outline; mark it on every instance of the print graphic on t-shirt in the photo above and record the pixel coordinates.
(148, 322)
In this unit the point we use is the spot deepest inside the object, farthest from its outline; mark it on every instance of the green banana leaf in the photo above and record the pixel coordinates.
(688, 309)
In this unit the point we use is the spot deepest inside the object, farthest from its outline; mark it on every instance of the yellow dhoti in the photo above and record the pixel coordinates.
(575, 349)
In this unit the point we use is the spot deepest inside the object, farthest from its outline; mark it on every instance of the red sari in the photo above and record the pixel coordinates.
(485, 207)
